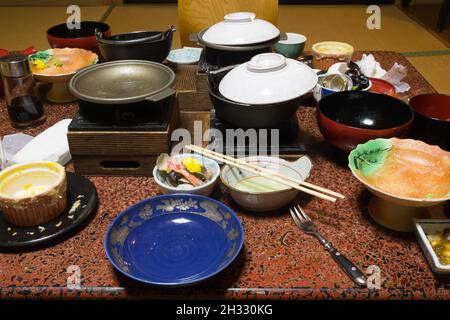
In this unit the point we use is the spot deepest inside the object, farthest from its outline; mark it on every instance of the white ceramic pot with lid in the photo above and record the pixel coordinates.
(268, 78)
(240, 28)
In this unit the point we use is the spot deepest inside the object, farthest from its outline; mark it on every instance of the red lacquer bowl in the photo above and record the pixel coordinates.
(60, 36)
(349, 118)
(382, 86)
(432, 119)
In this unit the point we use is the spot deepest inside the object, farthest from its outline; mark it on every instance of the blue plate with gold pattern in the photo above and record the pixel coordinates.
(174, 240)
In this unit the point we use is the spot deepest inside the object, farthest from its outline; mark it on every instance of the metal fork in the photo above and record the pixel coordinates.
(305, 224)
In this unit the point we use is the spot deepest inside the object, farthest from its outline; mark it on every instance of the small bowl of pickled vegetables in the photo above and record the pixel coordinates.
(434, 238)
(186, 173)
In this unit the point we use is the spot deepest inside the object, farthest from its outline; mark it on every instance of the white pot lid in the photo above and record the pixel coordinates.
(240, 28)
(268, 78)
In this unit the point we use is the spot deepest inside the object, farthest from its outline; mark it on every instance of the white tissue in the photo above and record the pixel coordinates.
(50, 145)
(371, 68)
(14, 142)
(395, 75)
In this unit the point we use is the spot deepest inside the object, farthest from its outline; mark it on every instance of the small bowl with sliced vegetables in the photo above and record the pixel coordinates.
(186, 173)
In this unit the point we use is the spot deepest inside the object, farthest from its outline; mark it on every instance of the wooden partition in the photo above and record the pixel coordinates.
(195, 15)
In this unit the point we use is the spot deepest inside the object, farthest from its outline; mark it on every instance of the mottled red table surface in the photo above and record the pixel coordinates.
(267, 267)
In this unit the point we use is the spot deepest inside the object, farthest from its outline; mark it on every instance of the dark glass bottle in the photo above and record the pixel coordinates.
(22, 98)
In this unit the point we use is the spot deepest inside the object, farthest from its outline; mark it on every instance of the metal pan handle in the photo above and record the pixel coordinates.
(161, 95)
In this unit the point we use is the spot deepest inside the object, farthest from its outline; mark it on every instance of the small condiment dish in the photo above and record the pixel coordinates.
(425, 228)
(205, 189)
(186, 55)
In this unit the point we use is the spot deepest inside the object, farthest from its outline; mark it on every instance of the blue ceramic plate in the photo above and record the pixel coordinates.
(174, 240)
(186, 55)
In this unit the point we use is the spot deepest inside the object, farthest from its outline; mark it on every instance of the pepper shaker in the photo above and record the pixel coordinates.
(21, 94)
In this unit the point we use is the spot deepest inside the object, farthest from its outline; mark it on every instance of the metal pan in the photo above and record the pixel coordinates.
(122, 82)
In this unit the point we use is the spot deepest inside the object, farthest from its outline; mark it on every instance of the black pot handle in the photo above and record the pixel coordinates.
(98, 34)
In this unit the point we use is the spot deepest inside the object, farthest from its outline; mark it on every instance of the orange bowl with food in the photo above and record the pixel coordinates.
(57, 66)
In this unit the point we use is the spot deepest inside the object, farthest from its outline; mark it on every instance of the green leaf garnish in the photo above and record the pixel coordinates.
(370, 156)
(41, 55)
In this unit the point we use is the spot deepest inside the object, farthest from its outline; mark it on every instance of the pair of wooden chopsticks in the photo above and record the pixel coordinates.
(300, 185)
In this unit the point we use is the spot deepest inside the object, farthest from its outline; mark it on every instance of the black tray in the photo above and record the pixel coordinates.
(78, 188)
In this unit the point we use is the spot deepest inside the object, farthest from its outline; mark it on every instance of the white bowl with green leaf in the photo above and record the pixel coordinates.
(407, 177)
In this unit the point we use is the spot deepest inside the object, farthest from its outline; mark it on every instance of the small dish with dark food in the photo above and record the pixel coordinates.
(359, 80)
(186, 173)
(434, 239)
(341, 77)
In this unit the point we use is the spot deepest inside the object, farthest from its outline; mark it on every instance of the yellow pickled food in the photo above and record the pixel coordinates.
(441, 245)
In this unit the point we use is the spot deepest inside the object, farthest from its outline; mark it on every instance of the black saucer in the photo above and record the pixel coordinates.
(78, 188)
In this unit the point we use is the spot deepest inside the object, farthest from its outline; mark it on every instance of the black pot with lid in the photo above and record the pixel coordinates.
(236, 39)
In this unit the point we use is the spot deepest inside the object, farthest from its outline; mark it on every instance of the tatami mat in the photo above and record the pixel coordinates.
(436, 69)
(348, 23)
(25, 26)
(426, 14)
(22, 27)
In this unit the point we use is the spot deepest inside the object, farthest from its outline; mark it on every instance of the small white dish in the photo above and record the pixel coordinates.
(186, 55)
(424, 227)
(241, 28)
(264, 200)
(204, 190)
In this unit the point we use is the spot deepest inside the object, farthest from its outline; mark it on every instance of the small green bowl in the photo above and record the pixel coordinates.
(292, 47)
